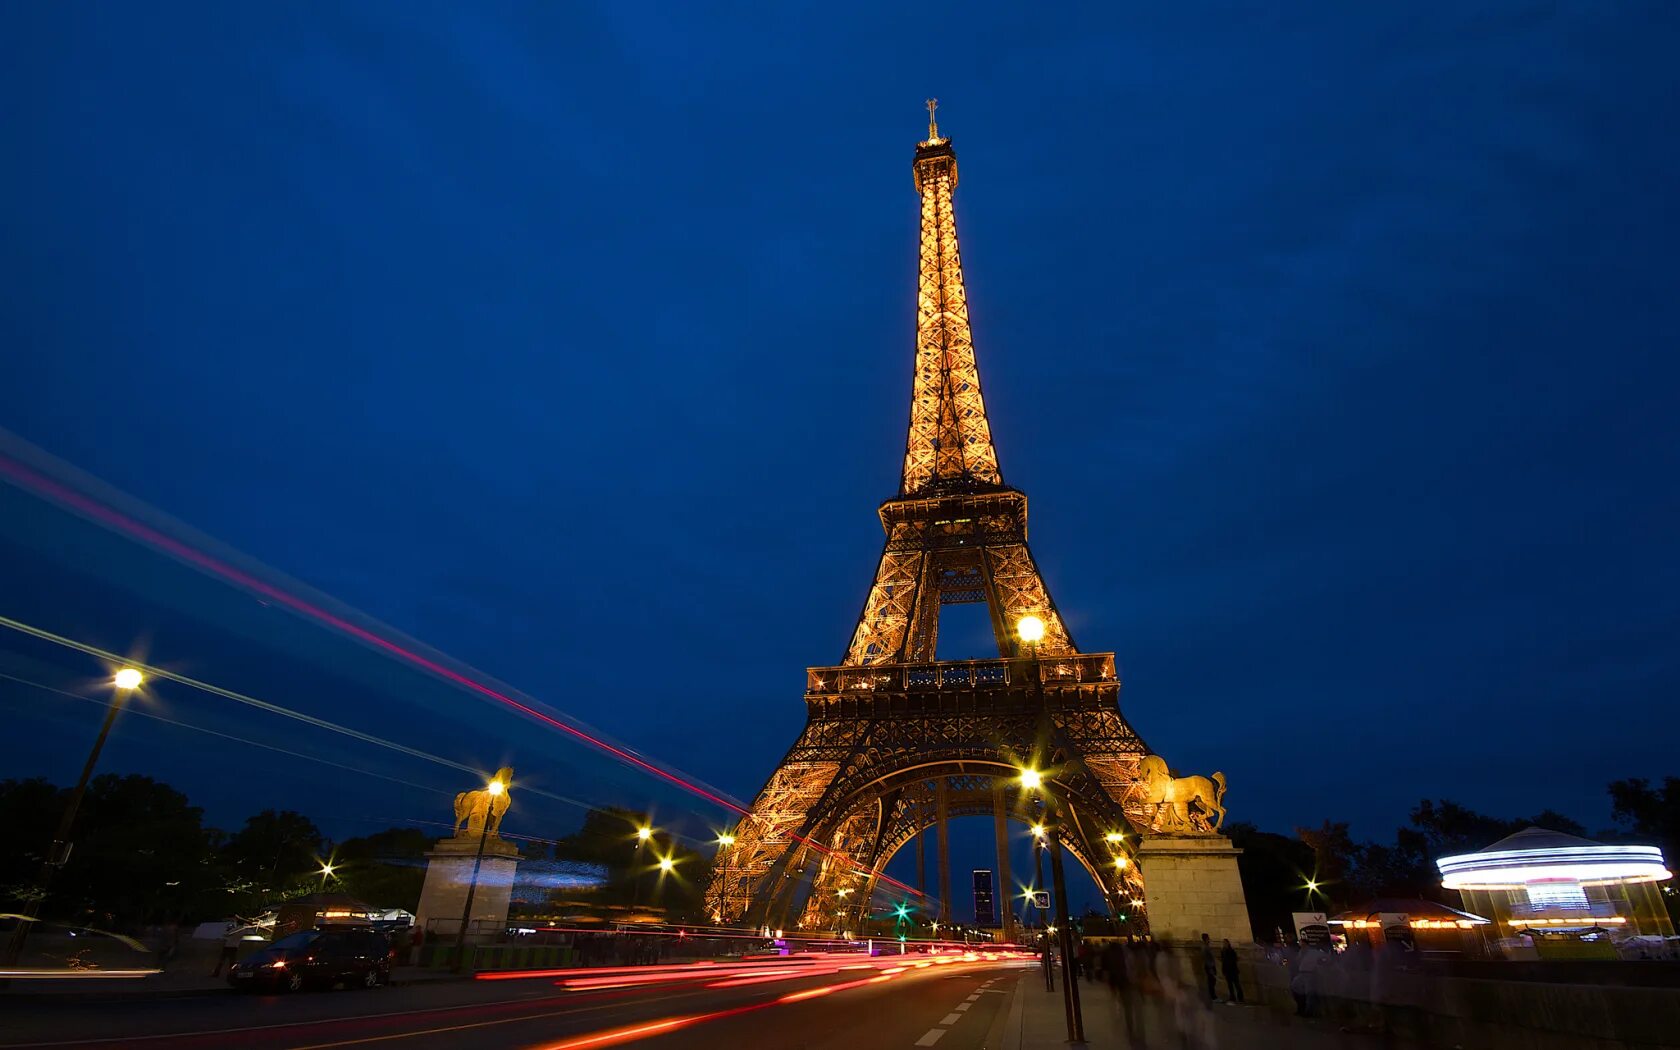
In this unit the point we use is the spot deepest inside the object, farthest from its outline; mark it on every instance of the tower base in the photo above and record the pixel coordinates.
(449, 871)
(1191, 887)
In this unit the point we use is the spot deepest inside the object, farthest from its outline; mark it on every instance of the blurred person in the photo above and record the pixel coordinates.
(230, 948)
(1303, 983)
(1210, 968)
(1233, 976)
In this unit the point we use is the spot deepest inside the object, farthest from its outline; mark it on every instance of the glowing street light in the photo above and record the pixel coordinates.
(667, 865)
(726, 839)
(493, 790)
(125, 681)
(1032, 779)
(1114, 837)
(327, 869)
(1030, 629)
(1038, 831)
(644, 833)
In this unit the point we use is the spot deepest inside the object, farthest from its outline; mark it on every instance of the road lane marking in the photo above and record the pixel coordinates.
(951, 1019)
(975, 997)
(933, 1036)
(963, 1006)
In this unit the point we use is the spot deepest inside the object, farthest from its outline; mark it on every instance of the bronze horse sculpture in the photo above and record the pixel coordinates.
(480, 812)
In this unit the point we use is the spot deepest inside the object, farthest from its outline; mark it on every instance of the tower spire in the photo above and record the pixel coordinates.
(950, 441)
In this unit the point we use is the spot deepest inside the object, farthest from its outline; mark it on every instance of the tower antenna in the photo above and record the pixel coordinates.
(933, 121)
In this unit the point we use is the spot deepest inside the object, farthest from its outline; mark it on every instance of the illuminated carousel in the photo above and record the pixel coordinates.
(1559, 892)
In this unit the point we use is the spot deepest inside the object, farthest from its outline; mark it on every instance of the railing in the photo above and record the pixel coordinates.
(958, 675)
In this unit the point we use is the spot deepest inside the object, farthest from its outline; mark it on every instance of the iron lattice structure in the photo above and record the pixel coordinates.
(897, 742)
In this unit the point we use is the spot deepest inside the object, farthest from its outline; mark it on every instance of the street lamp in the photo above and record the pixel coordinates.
(667, 865)
(726, 840)
(124, 682)
(495, 789)
(644, 833)
(1030, 629)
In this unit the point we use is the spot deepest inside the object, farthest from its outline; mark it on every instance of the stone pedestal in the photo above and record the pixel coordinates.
(449, 870)
(1191, 887)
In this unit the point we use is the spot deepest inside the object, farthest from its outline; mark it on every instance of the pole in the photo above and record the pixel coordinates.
(472, 887)
(1064, 929)
(1053, 832)
(59, 852)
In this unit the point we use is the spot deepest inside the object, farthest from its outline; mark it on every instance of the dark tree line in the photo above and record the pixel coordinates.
(144, 855)
(1324, 869)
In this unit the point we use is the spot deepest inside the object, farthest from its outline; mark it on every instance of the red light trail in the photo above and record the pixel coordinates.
(33, 480)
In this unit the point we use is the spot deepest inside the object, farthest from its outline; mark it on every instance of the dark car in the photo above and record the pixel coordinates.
(318, 959)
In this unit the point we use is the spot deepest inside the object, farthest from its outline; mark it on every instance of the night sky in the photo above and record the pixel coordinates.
(1336, 350)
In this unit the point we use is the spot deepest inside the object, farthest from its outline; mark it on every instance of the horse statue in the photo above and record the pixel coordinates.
(1170, 798)
(475, 809)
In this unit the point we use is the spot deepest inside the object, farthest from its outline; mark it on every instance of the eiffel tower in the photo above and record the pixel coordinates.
(897, 742)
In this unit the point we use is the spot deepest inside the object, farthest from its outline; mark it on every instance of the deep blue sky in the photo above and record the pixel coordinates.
(1335, 349)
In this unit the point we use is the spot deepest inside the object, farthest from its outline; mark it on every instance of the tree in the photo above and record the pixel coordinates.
(29, 811)
(1274, 870)
(386, 869)
(141, 855)
(1334, 857)
(273, 857)
(1652, 814)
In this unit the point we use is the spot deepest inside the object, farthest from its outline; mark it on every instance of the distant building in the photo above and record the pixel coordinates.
(985, 908)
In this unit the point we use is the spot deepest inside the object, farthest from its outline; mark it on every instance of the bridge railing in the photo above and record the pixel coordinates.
(962, 675)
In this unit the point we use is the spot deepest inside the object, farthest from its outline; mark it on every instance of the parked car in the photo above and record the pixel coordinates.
(318, 959)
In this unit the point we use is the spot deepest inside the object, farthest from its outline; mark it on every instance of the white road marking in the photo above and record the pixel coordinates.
(933, 1036)
(963, 1006)
(976, 996)
(951, 1019)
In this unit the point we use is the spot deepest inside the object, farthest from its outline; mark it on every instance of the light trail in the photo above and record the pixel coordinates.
(34, 480)
(616, 1036)
(228, 736)
(261, 705)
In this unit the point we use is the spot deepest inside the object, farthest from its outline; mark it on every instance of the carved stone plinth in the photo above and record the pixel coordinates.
(1191, 887)
(449, 869)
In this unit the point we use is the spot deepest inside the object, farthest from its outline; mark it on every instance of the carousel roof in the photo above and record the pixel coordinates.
(1537, 855)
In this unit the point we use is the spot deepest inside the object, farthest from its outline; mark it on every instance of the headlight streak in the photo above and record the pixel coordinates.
(72, 495)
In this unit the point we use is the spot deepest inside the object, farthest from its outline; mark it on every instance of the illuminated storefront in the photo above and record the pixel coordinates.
(1544, 883)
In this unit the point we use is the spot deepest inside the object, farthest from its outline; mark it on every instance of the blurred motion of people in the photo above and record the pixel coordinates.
(1233, 975)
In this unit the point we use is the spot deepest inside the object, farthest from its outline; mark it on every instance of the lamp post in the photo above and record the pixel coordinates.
(1031, 631)
(495, 788)
(643, 835)
(124, 682)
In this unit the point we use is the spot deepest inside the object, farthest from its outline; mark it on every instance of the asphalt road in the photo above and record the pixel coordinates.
(963, 1002)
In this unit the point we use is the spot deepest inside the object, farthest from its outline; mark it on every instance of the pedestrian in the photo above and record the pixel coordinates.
(1209, 968)
(1303, 984)
(1233, 978)
(230, 948)
(1084, 960)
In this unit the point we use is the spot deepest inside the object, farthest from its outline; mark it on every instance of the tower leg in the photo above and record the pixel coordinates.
(921, 862)
(942, 819)
(1004, 889)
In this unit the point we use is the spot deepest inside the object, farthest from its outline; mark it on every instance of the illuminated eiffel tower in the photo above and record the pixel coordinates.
(897, 742)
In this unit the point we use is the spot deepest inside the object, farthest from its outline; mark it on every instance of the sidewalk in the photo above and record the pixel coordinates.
(1037, 1020)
